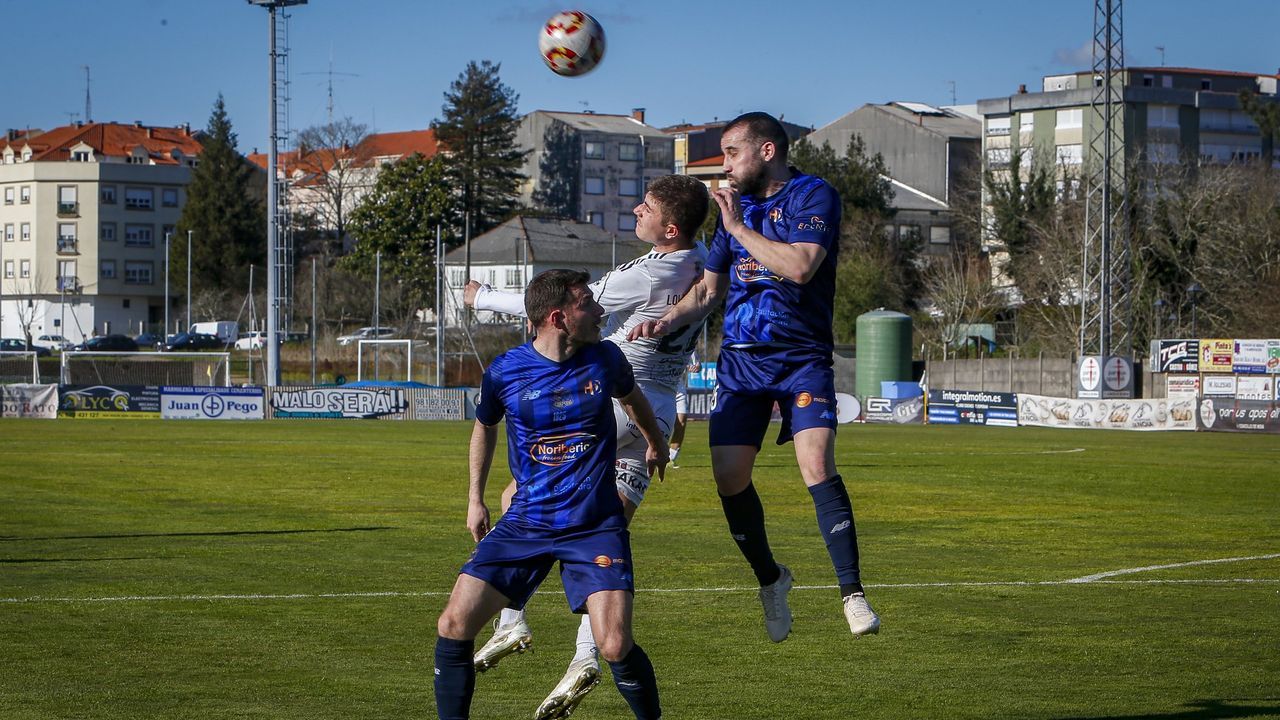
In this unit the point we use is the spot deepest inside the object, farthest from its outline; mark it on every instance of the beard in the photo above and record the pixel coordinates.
(752, 183)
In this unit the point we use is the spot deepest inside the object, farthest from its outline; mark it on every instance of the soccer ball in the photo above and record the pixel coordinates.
(572, 43)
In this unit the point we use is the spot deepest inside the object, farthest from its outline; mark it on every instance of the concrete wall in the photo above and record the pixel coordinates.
(1055, 377)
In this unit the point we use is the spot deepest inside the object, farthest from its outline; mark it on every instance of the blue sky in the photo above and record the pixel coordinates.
(164, 61)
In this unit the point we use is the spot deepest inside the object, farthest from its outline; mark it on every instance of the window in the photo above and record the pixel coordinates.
(25, 270)
(26, 231)
(8, 268)
(138, 235)
(909, 233)
(108, 194)
(1166, 81)
(25, 194)
(1162, 116)
(594, 186)
(594, 150)
(107, 232)
(8, 196)
(457, 277)
(107, 269)
(629, 187)
(940, 235)
(596, 218)
(1148, 81)
(137, 273)
(628, 151)
(1026, 123)
(997, 126)
(66, 237)
(1206, 84)
(139, 198)
(1070, 118)
(1070, 154)
(67, 280)
(626, 221)
(67, 197)
(1162, 153)
(169, 197)
(659, 155)
(513, 277)
(80, 156)
(8, 232)
(999, 157)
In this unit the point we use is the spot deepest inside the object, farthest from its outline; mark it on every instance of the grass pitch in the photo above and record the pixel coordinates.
(295, 570)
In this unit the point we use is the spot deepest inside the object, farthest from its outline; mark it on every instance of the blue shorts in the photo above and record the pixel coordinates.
(515, 559)
(751, 380)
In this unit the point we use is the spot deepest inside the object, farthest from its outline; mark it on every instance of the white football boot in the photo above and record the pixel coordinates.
(777, 614)
(862, 619)
(578, 680)
(506, 640)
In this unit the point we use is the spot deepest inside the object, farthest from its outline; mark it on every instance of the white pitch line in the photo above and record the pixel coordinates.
(667, 591)
(1130, 571)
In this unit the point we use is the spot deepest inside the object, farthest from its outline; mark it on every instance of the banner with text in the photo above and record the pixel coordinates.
(909, 411)
(1229, 415)
(368, 403)
(972, 407)
(1180, 356)
(1162, 414)
(29, 401)
(127, 402)
(212, 403)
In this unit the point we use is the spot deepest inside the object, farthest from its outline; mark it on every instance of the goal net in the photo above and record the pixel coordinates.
(146, 368)
(385, 360)
(19, 367)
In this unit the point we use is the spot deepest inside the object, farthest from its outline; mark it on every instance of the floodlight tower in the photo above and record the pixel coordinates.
(1106, 285)
(278, 256)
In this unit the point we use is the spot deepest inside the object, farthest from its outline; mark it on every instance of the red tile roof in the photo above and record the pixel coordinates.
(715, 161)
(109, 140)
(378, 145)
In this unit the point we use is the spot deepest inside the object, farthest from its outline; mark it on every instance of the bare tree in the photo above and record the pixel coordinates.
(332, 171)
(25, 292)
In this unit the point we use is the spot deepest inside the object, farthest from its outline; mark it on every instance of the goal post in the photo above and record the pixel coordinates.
(146, 368)
(385, 360)
(19, 366)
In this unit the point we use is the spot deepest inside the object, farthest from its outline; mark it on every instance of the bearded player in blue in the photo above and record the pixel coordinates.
(773, 262)
(555, 393)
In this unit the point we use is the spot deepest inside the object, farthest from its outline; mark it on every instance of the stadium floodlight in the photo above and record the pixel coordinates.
(277, 3)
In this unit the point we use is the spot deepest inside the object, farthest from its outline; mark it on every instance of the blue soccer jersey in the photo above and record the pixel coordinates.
(561, 436)
(762, 308)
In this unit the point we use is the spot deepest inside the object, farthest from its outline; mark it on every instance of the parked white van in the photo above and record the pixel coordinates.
(226, 330)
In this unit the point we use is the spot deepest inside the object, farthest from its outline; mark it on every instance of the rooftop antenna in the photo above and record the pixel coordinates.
(1160, 49)
(331, 72)
(952, 83)
(71, 116)
(88, 104)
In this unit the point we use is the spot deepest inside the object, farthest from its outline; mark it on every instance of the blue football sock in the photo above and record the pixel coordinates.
(637, 683)
(745, 514)
(835, 522)
(455, 678)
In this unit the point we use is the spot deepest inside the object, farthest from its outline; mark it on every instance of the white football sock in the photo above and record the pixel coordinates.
(586, 641)
(509, 616)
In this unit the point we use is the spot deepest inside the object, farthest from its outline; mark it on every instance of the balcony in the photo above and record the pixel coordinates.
(68, 209)
(68, 284)
(68, 246)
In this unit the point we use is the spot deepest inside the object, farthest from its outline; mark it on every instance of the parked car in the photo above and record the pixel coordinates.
(108, 343)
(226, 330)
(251, 340)
(188, 342)
(17, 345)
(148, 340)
(366, 333)
(52, 342)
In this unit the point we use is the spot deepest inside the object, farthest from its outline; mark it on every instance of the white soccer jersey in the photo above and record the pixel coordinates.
(636, 291)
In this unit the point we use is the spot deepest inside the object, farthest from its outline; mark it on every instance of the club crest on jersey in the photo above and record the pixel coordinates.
(749, 269)
(557, 450)
(561, 398)
(812, 223)
(591, 387)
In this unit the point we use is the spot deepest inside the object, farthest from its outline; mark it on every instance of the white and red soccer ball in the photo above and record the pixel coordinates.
(571, 43)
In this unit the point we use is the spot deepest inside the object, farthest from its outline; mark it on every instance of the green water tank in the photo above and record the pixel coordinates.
(884, 350)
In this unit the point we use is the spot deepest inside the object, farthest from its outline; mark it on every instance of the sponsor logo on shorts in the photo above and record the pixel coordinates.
(605, 561)
(557, 450)
(803, 400)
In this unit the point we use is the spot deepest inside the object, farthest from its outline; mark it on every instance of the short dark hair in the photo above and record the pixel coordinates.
(551, 290)
(684, 201)
(762, 127)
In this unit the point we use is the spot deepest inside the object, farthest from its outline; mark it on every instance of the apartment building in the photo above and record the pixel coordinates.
(84, 210)
(604, 163)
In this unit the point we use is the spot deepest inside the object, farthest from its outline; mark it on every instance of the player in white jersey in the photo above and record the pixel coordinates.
(641, 290)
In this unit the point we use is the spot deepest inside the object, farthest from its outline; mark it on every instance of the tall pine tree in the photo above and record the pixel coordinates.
(478, 134)
(225, 213)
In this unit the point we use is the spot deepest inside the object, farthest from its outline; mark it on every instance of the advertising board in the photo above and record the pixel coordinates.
(1249, 357)
(1182, 386)
(1216, 356)
(972, 407)
(130, 402)
(1151, 414)
(211, 403)
(1255, 388)
(1219, 386)
(29, 401)
(337, 402)
(1230, 415)
(1168, 356)
(438, 404)
(909, 411)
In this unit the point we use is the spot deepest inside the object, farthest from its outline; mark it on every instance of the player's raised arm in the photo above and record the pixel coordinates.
(640, 411)
(795, 261)
(696, 304)
(484, 438)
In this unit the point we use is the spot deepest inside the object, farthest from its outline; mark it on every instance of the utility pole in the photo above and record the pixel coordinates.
(164, 335)
(188, 278)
